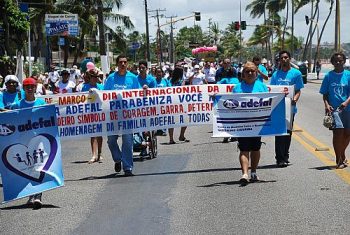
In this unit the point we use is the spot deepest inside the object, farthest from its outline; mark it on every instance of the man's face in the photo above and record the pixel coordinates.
(257, 62)
(159, 73)
(29, 89)
(142, 69)
(285, 60)
(226, 63)
(65, 76)
(122, 64)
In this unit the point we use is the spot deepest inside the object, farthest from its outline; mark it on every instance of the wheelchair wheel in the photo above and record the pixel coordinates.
(153, 147)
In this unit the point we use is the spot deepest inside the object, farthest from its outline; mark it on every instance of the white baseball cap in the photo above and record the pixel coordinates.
(11, 78)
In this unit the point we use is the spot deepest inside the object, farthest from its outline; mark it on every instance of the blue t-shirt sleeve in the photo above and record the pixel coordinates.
(108, 83)
(273, 79)
(325, 85)
(1, 101)
(153, 83)
(299, 84)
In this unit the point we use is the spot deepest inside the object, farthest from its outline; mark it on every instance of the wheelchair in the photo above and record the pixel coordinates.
(146, 141)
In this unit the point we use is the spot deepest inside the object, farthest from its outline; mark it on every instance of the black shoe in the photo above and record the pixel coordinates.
(225, 140)
(118, 166)
(282, 164)
(128, 173)
(37, 204)
(233, 139)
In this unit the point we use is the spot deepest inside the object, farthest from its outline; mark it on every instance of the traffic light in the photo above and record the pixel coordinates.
(236, 25)
(243, 25)
(307, 20)
(197, 16)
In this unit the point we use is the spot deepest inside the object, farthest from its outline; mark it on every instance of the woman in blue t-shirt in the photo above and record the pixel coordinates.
(335, 89)
(11, 94)
(29, 87)
(249, 146)
(92, 77)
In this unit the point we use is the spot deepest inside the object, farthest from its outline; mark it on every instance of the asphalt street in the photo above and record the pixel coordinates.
(193, 188)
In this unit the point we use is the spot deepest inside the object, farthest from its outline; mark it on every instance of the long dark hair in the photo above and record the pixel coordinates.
(177, 75)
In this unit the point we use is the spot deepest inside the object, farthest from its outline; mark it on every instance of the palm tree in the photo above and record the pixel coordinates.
(215, 31)
(260, 36)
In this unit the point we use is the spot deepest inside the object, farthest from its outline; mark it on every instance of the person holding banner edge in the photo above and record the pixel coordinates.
(122, 80)
(96, 142)
(29, 86)
(286, 75)
(249, 146)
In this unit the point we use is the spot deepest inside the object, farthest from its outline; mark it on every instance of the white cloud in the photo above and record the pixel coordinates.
(224, 12)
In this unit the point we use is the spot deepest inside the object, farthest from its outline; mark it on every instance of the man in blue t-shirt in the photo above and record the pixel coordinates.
(122, 80)
(262, 71)
(145, 80)
(287, 76)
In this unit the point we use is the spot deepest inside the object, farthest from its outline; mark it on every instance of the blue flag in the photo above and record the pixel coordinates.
(30, 160)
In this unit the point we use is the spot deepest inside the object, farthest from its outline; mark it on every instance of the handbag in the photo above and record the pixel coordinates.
(328, 121)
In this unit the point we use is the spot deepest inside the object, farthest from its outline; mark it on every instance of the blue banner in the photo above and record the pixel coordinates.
(56, 28)
(249, 115)
(30, 160)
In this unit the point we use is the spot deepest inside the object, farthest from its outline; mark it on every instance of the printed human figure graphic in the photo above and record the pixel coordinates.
(35, 156)
(29, 159)
(19, 159)
(41, 153)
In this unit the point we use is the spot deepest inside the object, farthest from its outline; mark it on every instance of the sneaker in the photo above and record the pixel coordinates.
(30, 201)
(225, 140)
(282, 164)
(254, 177)
(128, 173)
(37, 204)
(118, 166)
(244, 180)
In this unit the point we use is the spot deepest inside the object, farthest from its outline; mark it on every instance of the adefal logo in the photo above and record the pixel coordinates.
(6, 129)
(231, 104)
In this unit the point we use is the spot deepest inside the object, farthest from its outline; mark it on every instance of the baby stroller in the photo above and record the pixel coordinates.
(146, 144)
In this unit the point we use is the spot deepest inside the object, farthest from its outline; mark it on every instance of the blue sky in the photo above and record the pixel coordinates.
(225, 11)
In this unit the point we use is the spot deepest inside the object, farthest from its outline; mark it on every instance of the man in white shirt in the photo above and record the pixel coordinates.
(209, 72)
(74, 74)
(65, 85)
(197, 77)
(53, 77)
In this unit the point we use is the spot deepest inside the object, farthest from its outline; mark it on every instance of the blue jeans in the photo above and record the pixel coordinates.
(126, 155)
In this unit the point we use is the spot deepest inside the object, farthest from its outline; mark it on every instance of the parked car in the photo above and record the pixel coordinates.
(347, 64)
(304, 70)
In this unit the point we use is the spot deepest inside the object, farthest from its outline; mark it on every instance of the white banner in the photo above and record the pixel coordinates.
(129, 111)
(249, 115)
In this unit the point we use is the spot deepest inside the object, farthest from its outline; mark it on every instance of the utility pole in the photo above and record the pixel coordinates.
(209, 30)
(292, 49)
(147, 33)
(171, 49)
(240, 31)
(337, 26)
(159, 37)
(310, 32)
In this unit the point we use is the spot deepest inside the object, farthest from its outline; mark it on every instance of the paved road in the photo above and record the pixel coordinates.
(193, 188)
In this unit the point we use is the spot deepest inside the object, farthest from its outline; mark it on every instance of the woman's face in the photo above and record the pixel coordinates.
(11, 86)
(249, 74)
(338, 62)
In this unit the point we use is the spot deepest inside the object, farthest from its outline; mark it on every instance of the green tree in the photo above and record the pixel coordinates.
(15, 26)
(229, 42)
